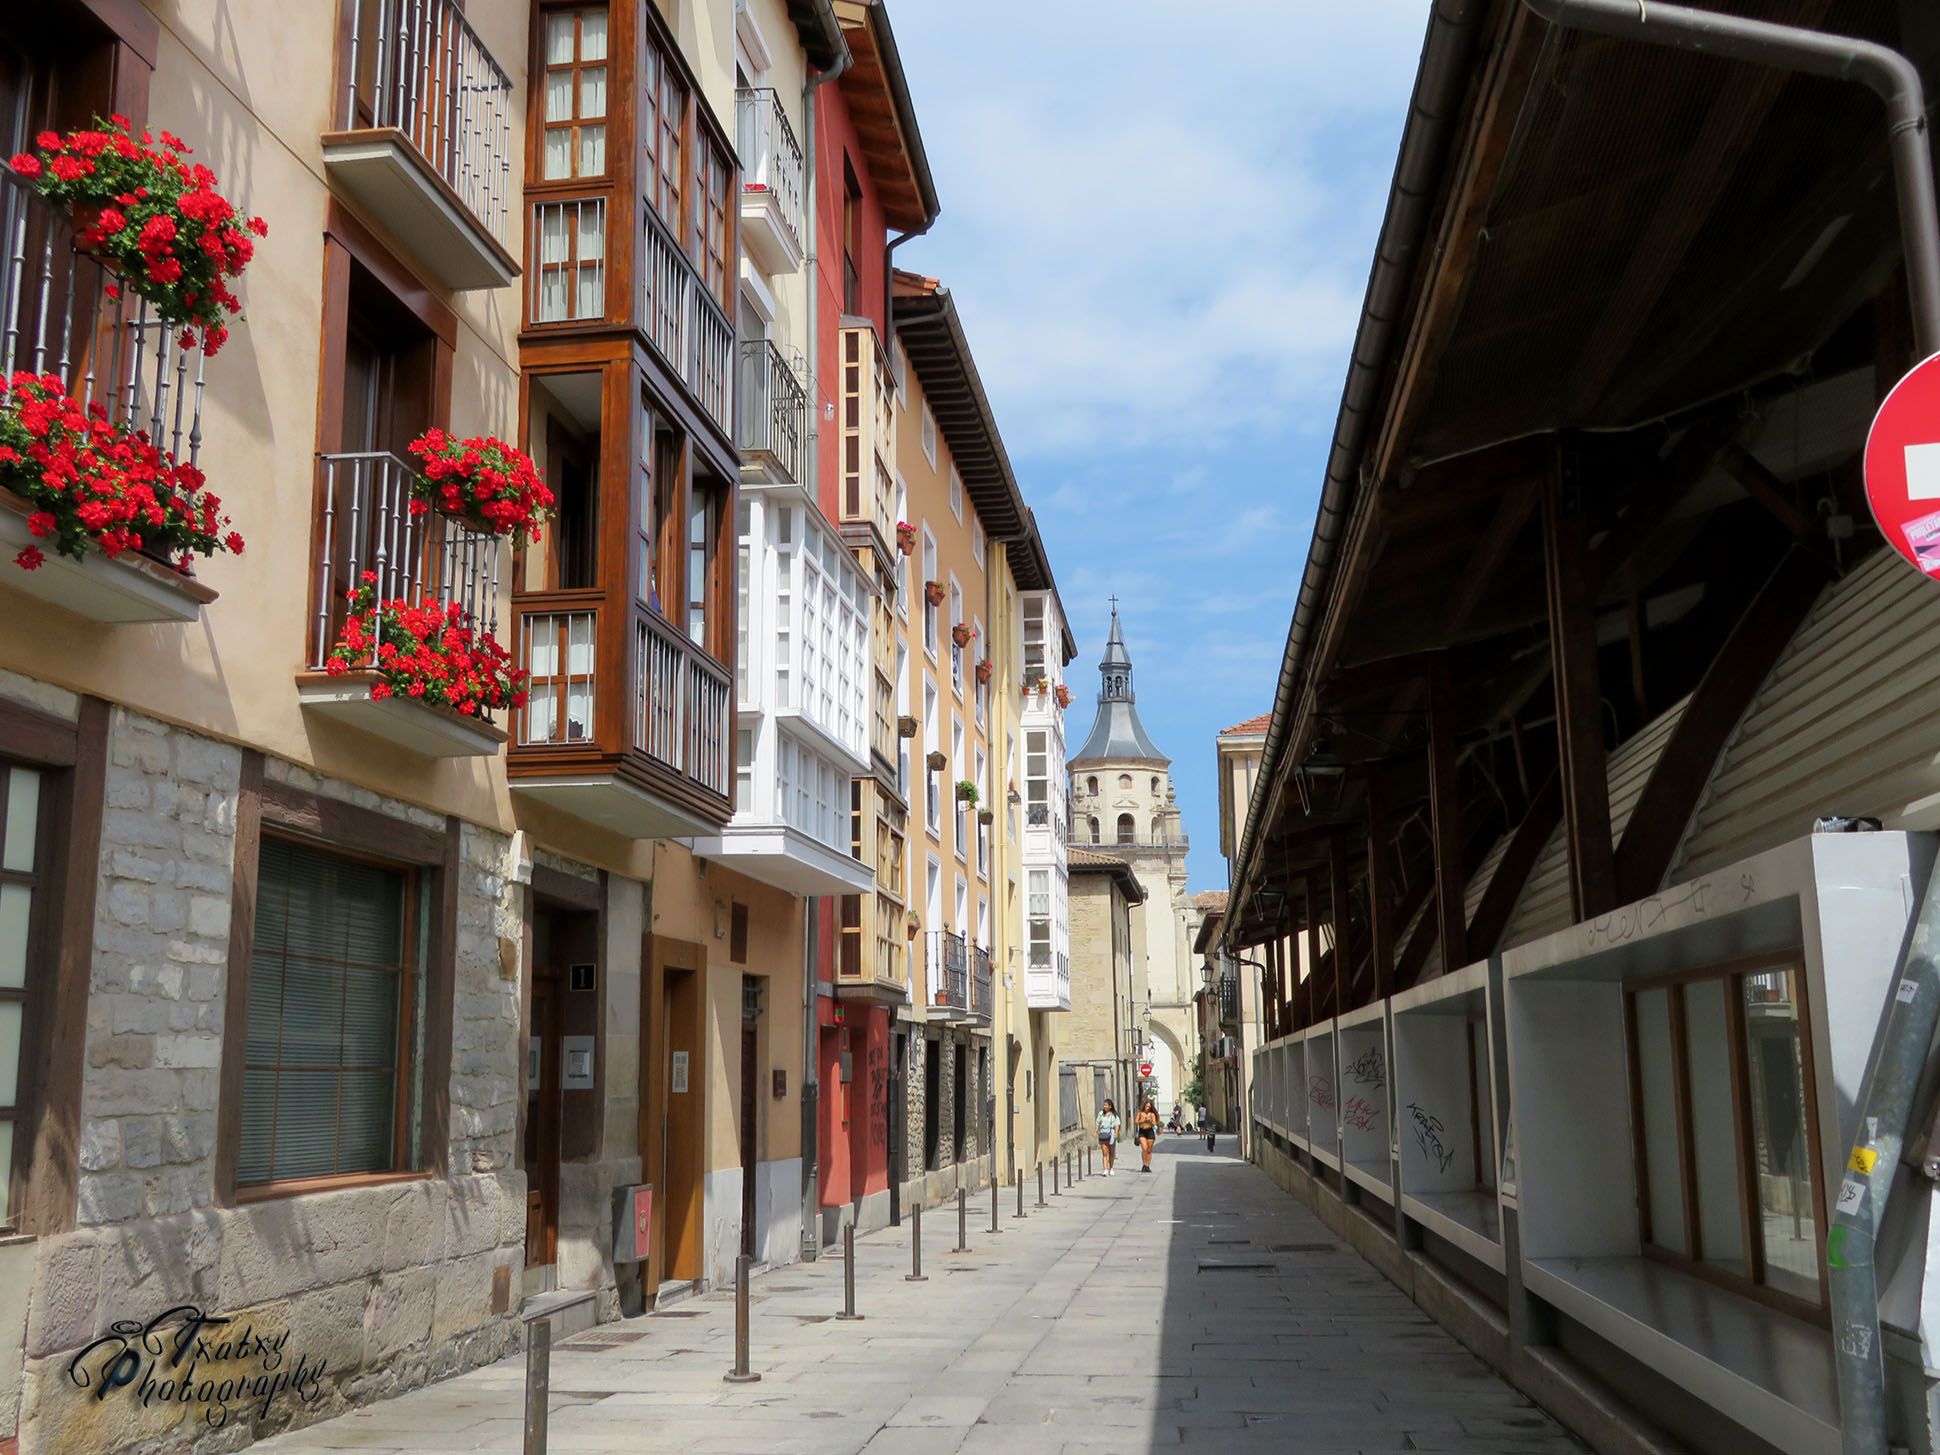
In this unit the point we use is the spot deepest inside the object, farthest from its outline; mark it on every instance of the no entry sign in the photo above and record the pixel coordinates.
(1903, 467)
(1145, 1068)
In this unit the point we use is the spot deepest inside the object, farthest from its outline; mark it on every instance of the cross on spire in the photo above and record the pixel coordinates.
(1114, 606)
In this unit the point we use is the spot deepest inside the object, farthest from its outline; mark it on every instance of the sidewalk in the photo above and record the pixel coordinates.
(1119, 1318)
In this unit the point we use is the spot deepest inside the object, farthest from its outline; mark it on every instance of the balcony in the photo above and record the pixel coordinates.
(56, 318)
(626, 723)
(367, 526)
(1047, 982)
(772, 231)
(873, 963)
(868, 447)
(425, 137)
(686, 325)
(982, 985)
(802, 664)
(948, 962)
(771, 411)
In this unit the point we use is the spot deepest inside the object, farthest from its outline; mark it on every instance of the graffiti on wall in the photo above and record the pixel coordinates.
(1428, 1135)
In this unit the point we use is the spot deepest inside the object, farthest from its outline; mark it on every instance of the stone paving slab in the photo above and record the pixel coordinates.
(1090, 1326)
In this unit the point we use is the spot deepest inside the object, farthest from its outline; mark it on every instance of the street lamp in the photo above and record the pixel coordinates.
(1321, 780)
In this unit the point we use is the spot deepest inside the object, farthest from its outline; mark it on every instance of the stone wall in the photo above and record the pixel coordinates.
(376, 1288)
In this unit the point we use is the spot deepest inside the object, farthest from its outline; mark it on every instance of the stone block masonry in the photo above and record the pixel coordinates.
(372, 1290)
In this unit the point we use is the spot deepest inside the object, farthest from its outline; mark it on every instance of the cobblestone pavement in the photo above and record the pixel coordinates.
(1131, 1314)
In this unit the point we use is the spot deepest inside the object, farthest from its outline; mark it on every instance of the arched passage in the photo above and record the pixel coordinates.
(1169, 1067)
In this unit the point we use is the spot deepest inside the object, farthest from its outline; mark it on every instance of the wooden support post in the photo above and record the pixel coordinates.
(1317, 1005)
(1380, 913)
(1445, 817)
(1579, 700)
(1343, 936)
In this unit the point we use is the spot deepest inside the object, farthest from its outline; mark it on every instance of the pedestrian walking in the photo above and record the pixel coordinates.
(1108, 1137)
(1145, 1126)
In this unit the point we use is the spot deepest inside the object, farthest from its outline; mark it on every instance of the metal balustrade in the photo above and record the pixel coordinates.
(368, 527)
(418, 66)
(771, 407)
(687, 327)
(949, 971)
(771, 158)
(982, 989)
(56, 318)
(557, 650)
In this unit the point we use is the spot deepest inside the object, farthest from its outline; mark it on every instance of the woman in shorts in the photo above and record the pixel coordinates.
(1108, 1137)
(1145, 1126)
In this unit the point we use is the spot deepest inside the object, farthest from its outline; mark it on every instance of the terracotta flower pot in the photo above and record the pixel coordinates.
(934, 592)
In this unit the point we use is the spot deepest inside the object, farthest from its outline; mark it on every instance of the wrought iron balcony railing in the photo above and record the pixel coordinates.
(771, 158)
(982, 989)
(367, 526)
(418, 67)
(56, 317)
(771, 406)
(949, 972)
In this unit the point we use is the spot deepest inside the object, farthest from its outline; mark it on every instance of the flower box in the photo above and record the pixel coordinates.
(936, 761)
(966, 791)
(986, 816)
(430, 732)
(961, 634)
(905, 727)
(905, 538)
(934, 592)
(123, 590)
(984, 669)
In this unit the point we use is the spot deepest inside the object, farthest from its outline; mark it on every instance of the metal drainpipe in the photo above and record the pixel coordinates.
(1881, 69)
(811, 1242)
(1906, 1028)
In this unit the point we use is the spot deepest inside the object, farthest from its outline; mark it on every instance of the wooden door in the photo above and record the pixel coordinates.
(542, 1126)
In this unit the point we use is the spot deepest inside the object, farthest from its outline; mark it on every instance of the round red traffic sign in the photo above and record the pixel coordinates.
(1903, 467)
(1145, 1068)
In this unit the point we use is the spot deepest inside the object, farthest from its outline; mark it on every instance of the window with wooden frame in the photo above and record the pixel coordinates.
(26, 834)
(332, 1083)
(663, 129)
(713, 172)
(852, 239)
(1726, 1138)
(574, 86)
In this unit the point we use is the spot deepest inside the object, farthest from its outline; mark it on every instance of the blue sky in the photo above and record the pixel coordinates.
(1157, 223)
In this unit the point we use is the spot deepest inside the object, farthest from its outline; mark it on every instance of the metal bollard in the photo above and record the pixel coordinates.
(1054, 1176)
(963, 1222)
(848, 1275)
(1020, 1196)
(993, 1200)
(739, 1374)
(1067, 1169)
(915, 1274)
(538, 1383)
(1040, 1184)
(1080, 1163)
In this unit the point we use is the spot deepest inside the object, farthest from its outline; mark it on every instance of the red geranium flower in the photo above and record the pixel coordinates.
(490, 485)
(428, 652)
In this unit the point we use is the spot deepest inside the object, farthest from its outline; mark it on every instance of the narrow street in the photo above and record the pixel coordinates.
(1196, 1309)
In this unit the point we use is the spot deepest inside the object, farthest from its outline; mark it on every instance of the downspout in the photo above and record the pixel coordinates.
(1906, 1028)
(811, 921)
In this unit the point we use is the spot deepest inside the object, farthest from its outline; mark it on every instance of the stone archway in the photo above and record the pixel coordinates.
(1171, 1069)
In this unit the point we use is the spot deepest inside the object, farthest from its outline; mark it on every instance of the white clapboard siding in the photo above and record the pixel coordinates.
(1478, 885)
(1847, 722)
(1544, 905)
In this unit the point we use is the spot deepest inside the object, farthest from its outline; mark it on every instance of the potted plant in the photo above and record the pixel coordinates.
(428, 652)
(984, 669)
(936, 760)
(912, 925)
(966, 791)
(489, 485)
(155, 218)
(88, 482)
(905, 538)
(960, 634)
(1063, 695)
(986, 816)
(933, 592)
(905, 726)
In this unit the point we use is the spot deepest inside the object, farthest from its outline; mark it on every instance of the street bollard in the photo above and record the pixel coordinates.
(1080, 1164)
(739, 1374)
(1054, 1176)
(1040, 1184)
(963, 1222)
(538, 1383)
(1020, 1196)
(915, 1274)
(1067, 1169)
(848, 1275)
(993, 1199)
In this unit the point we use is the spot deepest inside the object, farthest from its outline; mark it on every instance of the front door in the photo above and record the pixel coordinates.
(542, 1124)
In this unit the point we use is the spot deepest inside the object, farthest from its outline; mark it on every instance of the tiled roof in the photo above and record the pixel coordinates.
(1253, 727)
(1210, 899)
(1090, 858)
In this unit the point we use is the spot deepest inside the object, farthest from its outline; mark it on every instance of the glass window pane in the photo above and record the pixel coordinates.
(23, 818)
(1714, 1134)
(12, 1013)
(258, 1115)
(592, 35)
(1658, 1116)
(6, 1170)
(592, 150)
(306, 1124)
(592, 91)
(559, 37)
(1782, 1168)
(558, 162)
(16, 904)
(559, 96)
(369, 1100)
